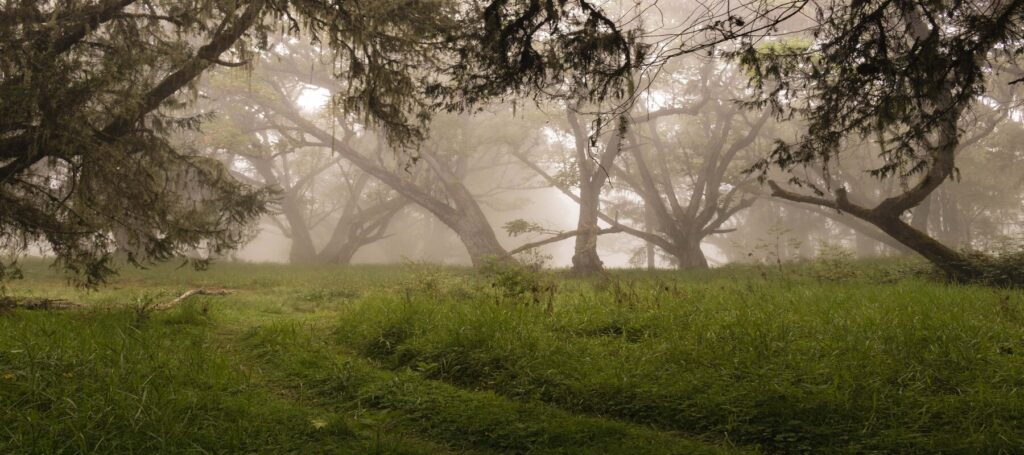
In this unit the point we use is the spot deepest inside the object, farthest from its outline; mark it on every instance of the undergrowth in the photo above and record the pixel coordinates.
(833, 356)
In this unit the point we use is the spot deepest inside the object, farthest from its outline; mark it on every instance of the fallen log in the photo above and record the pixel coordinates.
(36, 303)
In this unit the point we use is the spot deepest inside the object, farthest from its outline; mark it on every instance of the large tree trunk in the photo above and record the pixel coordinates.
(473, 228)
(593, 175)
(481, 244)
(340, 248)
(465, 217)
(340, 254)
(690, 256)
(301, 254)
(302, 249)
(585, 260)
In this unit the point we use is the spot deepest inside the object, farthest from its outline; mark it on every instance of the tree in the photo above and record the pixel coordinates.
(592, 159)
(903, 73)
(677, 180)
(92, 93)
(438, 188)
(89, 87)
(315, 187)
(687, 171)
(83, 150)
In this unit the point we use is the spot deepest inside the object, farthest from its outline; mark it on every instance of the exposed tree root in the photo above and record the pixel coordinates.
(190, 293)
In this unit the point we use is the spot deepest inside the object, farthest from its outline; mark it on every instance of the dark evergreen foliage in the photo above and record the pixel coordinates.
(892, 70)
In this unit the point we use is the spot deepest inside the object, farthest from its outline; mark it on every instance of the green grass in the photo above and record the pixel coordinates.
(822, 358)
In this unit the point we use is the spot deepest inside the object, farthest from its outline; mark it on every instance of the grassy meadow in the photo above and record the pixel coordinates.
(821, 357)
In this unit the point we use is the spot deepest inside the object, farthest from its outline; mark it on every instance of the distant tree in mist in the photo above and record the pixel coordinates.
(673, 174)
(685, 161)
(436, 185)
(319, 194)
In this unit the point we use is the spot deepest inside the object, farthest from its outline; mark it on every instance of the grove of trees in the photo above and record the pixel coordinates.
(694, 133)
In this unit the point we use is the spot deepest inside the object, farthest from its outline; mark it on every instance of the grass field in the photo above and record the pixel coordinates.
(816, 358)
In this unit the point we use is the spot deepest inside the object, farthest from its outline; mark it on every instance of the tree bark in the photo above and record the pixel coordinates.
(302, 250)
(593, 175)
(690, 256)
(341, 254)
(467, 219)
(585, 260)
(477, 235)
(952, 262)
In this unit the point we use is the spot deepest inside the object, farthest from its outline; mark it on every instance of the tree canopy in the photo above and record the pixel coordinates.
(100, 100)
(92, 93)
(901, 73)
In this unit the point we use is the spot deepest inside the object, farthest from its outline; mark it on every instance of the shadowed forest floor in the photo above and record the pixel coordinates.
(818, 357)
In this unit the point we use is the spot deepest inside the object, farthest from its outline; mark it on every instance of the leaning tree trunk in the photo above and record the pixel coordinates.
(887, 218)
(473, 229)
(952, 262)
(339, 249)
(482, 245)
(340, 255)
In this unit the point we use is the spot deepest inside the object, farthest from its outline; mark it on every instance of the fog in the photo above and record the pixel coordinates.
(552, 209)
(706, 134)
(484, 183)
